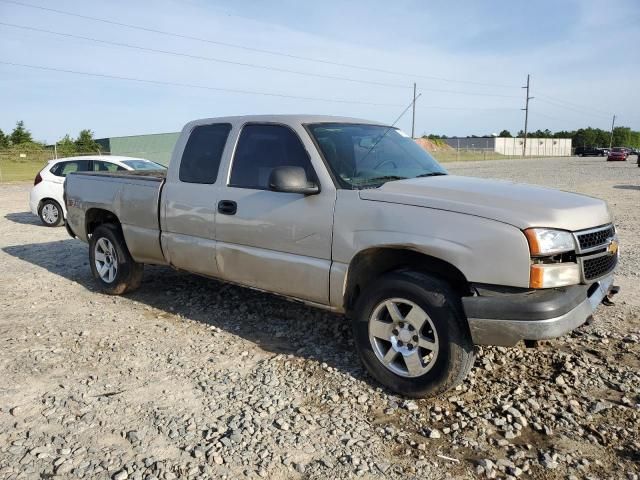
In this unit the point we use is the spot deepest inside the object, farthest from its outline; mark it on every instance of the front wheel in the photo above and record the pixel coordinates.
(411, 334)
(111, 262)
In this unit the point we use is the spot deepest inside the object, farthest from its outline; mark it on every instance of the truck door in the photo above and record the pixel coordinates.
(270, 240)
(190, 199)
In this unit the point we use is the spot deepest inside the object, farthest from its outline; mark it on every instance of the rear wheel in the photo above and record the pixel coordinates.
(111, 262)
(50, 213)
(411, 334)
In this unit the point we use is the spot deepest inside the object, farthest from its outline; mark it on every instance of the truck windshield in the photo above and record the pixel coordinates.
(367, 156)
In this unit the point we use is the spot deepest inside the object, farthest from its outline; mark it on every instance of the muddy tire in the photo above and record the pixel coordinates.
(412, 335)
(111, 262)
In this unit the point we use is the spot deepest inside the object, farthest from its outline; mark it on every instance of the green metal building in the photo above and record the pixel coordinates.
(157, 147)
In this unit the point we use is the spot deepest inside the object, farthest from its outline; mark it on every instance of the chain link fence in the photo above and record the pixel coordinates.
(16, 166)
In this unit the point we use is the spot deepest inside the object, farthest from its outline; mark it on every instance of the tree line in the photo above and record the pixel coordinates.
(21, 139)
(582, 137)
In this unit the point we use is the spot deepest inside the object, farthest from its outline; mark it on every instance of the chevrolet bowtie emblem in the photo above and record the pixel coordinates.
(613, 247)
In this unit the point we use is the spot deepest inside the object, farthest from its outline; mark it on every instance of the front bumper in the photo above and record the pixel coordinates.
(504, 318)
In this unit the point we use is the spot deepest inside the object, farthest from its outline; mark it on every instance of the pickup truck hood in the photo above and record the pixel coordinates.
(517, 204)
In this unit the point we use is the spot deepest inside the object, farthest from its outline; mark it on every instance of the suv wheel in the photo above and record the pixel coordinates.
(111, 262)
(50, 213)
(411, 334)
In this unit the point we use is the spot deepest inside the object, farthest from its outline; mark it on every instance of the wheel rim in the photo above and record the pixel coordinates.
(403, 337)
(50, 213)
(106, 260)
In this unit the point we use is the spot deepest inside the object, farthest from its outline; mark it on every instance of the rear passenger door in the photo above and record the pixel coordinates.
(190, 201)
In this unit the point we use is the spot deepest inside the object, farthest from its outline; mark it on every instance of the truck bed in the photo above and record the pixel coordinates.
(152, 175)
(132, 196)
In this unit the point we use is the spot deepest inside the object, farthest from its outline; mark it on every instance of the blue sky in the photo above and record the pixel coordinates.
(582, 57)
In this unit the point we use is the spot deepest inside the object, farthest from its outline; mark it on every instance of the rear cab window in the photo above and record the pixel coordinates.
(202, 154)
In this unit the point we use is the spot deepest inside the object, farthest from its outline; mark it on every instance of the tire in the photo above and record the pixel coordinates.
(445, 331)
(111, 262)
(50, 213)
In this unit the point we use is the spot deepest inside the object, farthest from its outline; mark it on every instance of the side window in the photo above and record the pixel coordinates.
(261, 148)
(201, 158)
(65, 168)
(57, 169)
(100, 166)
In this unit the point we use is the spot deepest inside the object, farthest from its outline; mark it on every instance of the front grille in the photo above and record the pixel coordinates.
(595, 238)
(597, 267)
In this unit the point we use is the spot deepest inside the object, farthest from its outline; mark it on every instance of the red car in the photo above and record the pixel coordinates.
(617, 154)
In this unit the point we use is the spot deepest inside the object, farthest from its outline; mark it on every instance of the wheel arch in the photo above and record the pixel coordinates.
(44, 199)
(369, 264)
(94, 217)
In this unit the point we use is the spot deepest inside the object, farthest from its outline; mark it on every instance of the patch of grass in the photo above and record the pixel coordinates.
(16, 169)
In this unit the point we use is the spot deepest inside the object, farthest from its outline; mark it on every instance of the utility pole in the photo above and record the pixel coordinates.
(526, 116)
(613, 122)
(413, 119)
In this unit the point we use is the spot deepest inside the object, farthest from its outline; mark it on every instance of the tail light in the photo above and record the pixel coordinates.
(37, 180)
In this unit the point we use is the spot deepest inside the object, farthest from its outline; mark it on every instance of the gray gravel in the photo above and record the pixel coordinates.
(190, 378)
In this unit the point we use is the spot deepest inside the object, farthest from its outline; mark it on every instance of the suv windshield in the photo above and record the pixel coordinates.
(143, 165)
(367, 156)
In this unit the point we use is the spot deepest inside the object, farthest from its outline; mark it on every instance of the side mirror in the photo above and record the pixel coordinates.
(292, 180)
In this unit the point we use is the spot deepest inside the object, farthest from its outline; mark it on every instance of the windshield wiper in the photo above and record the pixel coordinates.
(381, 180)
(431, 174)
(384, 178)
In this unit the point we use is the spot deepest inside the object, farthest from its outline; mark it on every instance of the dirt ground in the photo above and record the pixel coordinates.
(191, 378)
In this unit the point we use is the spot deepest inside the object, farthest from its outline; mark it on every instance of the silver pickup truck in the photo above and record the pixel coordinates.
(352, 216)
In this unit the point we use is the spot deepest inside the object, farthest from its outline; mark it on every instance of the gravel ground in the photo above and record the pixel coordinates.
(190, 378)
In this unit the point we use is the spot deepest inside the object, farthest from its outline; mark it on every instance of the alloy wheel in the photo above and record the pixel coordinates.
(403, 337)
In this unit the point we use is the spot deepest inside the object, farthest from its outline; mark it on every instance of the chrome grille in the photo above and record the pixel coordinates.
(597, 237)
(597, 267)
(594, 255)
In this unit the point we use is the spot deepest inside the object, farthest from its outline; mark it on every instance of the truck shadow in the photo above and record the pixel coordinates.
(24, 218)
(272, 323)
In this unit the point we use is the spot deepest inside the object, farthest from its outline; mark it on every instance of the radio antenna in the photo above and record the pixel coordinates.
(390, 127)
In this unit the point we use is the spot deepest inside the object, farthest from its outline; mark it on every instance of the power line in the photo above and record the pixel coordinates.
(203, 87)
(201, 57)
(571, 104)
(250, 65)
(254, 49)
(230, 90)
(567, 107)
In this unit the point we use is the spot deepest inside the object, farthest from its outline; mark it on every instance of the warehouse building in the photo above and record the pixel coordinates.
(536, 147)
(157, 147)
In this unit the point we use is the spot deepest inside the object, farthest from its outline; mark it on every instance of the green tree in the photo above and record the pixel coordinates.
(66, 146)
(20, 134)
(85, 142)
(4, 140)
(505, 133)
(621, 136)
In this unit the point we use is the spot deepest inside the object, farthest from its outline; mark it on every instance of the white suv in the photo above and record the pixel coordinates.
(45, 199)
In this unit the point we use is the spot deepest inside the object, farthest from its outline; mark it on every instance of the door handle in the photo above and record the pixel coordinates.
(227, 207)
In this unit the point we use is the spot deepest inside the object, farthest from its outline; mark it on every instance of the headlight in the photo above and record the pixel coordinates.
(554, 275)
(545, 241)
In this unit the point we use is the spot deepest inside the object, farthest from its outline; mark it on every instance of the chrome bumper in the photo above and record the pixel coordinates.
(506, 333)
